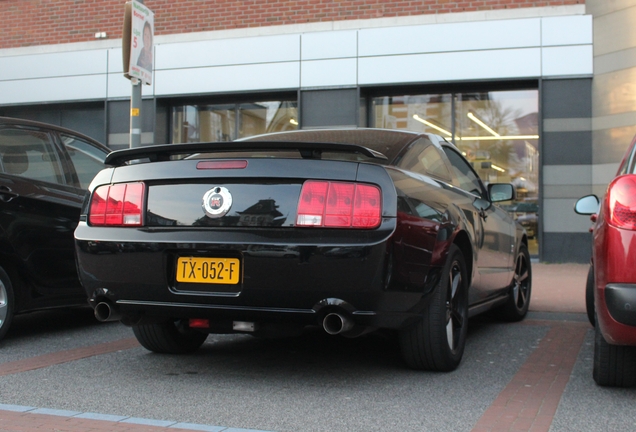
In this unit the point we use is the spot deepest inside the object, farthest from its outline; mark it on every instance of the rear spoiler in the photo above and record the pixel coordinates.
(308, 150)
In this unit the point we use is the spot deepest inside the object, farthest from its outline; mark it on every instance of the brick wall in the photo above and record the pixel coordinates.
(40, 22)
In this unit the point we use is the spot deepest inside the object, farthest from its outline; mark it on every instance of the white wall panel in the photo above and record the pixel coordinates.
(329, 45)
(567, 60)
(328, 73)
(86, 87)
(450, 37)
(566, 30)
(478, 50)
(220, 52)
(53, 64)
(120, 87)
(115, 61)
(228, 79)
(471, 65)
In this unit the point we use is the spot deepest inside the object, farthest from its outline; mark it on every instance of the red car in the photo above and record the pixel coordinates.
(611, 286)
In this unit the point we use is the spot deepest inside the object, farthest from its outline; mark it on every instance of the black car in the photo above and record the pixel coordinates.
(45, 171)
(349, 230)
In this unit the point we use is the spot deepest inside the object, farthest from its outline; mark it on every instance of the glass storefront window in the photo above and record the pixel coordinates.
(497, 131)
(227, 122)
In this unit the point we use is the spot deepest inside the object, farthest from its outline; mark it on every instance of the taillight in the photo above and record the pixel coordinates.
(117, 205)
(621, 199)
(339, 205)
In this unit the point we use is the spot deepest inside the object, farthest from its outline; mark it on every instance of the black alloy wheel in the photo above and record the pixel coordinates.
(516, 308)
(6, 303)
(170, 337)
(437, 341)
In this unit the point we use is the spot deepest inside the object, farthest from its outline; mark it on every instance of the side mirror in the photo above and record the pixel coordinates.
(587, 205)
(501, 192)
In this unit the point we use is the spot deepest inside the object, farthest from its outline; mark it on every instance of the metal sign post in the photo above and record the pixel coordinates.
(138, 59)
(135, 113)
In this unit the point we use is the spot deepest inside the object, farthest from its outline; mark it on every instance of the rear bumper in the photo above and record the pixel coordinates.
(621, 303)
(615, 294)
(297, 281)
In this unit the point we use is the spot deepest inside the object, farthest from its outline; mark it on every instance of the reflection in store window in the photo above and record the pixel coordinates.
(227, 122)
(496, 131)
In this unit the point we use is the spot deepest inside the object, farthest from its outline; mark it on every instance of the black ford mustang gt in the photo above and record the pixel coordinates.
(350, 230)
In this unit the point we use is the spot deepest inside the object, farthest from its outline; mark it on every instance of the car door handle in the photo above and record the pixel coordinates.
(6, 194)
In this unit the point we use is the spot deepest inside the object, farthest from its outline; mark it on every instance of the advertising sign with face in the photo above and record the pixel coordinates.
(138, 37)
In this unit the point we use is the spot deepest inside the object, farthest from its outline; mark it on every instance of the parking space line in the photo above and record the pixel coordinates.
(60, 357)
(16, 418)
(530, 400)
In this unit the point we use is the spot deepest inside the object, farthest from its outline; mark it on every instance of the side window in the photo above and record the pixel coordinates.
(29, 153)
(425, 158)
(87, 159)
(468, 180)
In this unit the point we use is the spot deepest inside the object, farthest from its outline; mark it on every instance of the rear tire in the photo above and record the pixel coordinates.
(171, 337)
(614, 365)
(516, 308)
(7, 303)
(589, 296)
(436, 342)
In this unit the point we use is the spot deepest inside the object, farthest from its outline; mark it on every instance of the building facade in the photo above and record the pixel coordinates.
(536, 93)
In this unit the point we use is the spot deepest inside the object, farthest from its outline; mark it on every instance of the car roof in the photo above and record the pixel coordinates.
(386, 141)
(11, 121)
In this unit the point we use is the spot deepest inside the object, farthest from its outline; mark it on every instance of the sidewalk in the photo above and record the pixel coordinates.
(558, 287)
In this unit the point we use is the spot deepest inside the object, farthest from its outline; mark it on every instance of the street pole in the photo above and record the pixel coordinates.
(135, 113)
(135, 110)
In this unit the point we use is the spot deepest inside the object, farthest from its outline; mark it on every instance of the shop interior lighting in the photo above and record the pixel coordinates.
(497, 168)
(429, 124)
(474, 118)
(293, 121)
(495, 136)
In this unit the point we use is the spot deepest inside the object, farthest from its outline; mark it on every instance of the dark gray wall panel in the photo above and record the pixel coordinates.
(567, 98)
(85, 118)
(323, 108)
(567, 148)
(88, 121)
(119, 116)
(566, 247)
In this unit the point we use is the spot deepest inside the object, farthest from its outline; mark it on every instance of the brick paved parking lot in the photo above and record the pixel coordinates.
(62, 371)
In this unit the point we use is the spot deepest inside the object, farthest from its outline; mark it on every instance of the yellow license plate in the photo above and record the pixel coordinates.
(208, 270)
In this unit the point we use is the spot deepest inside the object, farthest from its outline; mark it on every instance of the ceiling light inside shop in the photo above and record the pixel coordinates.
(429, 124)
(482, 124)
(495, 138)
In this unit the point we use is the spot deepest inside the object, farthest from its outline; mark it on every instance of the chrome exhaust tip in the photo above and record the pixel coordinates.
(105, 312)
(335, 323)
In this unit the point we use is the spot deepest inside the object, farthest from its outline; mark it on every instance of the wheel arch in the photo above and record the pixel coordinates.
(462, 240)
(11, 269)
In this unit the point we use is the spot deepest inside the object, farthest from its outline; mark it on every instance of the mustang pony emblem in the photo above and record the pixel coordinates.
(217, 202)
